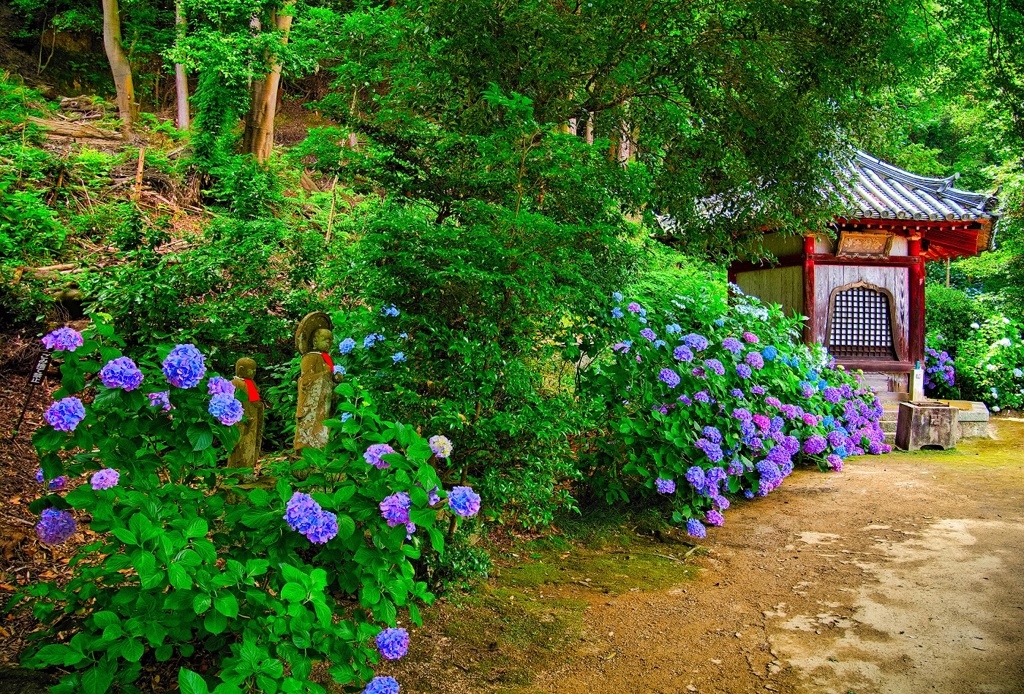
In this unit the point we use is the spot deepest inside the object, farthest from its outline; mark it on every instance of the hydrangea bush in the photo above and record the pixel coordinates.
(992, 363)
(252, 581)
(698, 412)
(939, 369)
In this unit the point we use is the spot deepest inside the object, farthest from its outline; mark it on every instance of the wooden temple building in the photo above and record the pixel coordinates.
(861, 287)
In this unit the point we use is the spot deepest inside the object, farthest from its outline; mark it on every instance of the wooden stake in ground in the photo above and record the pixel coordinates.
(138, 174)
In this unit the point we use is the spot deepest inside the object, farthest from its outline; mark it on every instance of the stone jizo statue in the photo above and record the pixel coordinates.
(313, 339)
(250, 440)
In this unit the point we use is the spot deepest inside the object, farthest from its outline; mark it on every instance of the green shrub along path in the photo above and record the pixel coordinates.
(904, 573)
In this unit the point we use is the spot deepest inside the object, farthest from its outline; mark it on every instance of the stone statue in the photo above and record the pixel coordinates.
(313, 339)
(250, 429)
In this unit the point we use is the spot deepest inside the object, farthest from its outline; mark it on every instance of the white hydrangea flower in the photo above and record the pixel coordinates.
(1017, 373)
(1005, 342)
(975, 326)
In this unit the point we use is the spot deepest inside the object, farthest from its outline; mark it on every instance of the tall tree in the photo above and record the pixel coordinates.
(120, 67)
(258, 139)
(182, 116)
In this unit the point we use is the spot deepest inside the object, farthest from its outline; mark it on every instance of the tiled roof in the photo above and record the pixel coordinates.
(879, 190)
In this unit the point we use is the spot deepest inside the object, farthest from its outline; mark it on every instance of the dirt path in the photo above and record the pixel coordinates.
(904, 574)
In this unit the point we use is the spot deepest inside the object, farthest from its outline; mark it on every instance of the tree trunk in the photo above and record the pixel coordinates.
(180, 78)
(259, 126)
(119, 65)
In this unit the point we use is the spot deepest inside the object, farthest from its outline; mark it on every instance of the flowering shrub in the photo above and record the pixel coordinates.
(939, 369)
(698, 416)
(253, 581)
(992, 363)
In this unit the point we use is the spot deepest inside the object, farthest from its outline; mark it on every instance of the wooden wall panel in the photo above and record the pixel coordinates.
(784, 285)
(828, 278)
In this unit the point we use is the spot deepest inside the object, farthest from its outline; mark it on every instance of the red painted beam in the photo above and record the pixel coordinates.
(809, 298)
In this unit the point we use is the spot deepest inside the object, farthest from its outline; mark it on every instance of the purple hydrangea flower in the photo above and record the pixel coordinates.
(712, 450)
(665, 486)
(55, 485)
(832, 395)
(55, 527)
(755, 360)
(105, 478)
(773, 401)
(634, 307)
(694, 528)
(161, 399)
(757, 390)
(695, 476)
(702, 396)
(226, 408)
(382, 685)
(743, 371)
(715, 366)
(433, 497)
(323, 528)
(648, 334)
(393, 643)
(66, 414)
(121, 373)
(835, 462)
(731, 344)
(810, 420)
(683, 353)
(185, 366)
(815, 445)
(441, 446)
(395, 509)
(698, 343)
(463, 501)
(669, 378)
(220, 385)
(373, 455)
(63, 340)
(712, 434)
(714, 518)
(751, 338)
(742, 414)
(347, 345)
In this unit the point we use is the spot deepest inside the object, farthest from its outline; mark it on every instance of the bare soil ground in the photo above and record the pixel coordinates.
(903, 574)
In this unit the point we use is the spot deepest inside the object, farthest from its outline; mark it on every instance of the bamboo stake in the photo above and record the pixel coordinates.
(138, 174)
(330, 217)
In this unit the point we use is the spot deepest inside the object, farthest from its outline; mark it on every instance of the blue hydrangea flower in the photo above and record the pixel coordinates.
(55, 485)
(720, 322)
(712, 434)
(105, 478)
(393, 643)
(440, 445)
(395, 509)
(121, 373)
(345, 416)
(673, 329)
(218, 385)
(55, 527)
(682, 353)
(665, 486)
(404, 336)
(397, 357)
(463, 501)
(617, 312)
(63, 340)
(769, 353)
(658, 344)
(161, 400)
(382, 685)
(695, 476)
(185, 366)
(301, 512)
(390, 311)
(694, 528)
(669, 378)
(698, 343)
(339, 369)
(346, 345)
(66, 414)
(743, 371)
(226, 408)
(617, 297)
(371, 339)
(712, 450)
(731, 344)
(374, 453)
(747, 493)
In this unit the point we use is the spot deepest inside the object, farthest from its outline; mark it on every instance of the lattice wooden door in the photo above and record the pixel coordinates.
(861, 325)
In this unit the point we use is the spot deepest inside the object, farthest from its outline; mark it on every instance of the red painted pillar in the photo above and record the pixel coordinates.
(916, 280)
(810, 326)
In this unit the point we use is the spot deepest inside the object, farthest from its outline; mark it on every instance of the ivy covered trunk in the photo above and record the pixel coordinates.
(259, 124)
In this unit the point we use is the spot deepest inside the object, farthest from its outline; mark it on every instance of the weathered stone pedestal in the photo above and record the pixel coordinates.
(920, 424)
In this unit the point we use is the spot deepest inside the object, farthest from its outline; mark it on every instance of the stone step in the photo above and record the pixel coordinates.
(891, 439)
(889, 427)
